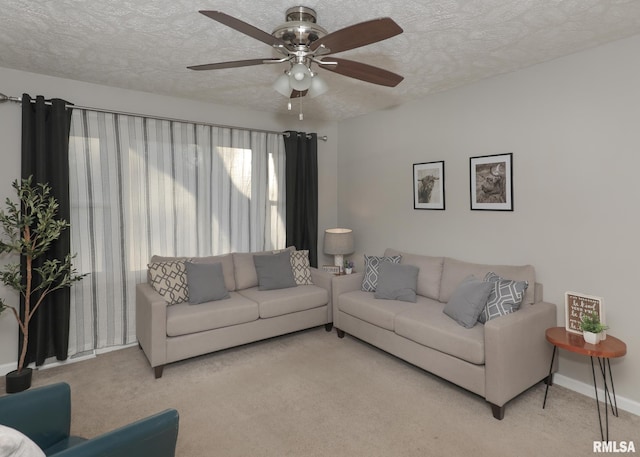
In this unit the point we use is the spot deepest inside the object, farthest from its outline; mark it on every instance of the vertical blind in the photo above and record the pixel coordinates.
(140, 187)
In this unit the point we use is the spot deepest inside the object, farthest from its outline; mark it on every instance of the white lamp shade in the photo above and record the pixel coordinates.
(318, 87)
(300, 77)
(282, 85)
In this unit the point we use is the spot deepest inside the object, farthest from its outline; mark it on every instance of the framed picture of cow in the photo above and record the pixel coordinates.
(428, 185)
(491, 182)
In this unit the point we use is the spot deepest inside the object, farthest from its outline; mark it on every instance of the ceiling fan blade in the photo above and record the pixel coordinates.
(234, 64)
(243, 27)
(364, 72)
(358, 35)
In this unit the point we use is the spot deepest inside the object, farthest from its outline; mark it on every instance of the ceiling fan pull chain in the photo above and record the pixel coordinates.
(300, 116)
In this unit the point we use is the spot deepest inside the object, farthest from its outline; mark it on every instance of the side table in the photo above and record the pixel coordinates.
(604, 351)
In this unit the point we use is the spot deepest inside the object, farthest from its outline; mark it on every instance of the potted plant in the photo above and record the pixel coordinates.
(592, 328)
(348, 266)
(29, 227)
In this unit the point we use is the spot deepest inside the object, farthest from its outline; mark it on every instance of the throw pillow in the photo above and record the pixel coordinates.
(468, 300)
(371, 266)
(397, 282)
(169, 279)
(505, 298)
(274, 271)
(15, 444)
(301, 267)
(205, 282)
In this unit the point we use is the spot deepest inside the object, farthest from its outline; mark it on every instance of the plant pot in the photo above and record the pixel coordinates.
(17, 382)
(348, 271)
(591, 338)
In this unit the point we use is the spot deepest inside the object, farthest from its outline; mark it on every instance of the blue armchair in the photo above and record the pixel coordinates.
(44, 415)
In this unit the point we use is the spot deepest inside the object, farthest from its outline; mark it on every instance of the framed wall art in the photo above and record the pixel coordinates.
(577, 305)
(428, 185)
(491, 182)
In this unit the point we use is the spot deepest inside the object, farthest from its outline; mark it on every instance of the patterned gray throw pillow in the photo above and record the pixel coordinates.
(505, 298)
(301, 267)
(371, 270)
(169, 279)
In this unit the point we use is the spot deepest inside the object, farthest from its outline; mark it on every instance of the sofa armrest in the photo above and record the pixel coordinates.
(517, 354)
(154, 436)
(340, 285)
(322, 279)
(42, 413)
(151, 323)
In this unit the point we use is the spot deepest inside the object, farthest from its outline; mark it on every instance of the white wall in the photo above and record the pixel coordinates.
(573, 127)
(15, 83)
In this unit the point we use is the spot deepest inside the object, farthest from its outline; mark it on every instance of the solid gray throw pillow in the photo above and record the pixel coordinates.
(397, 282)
(468, 301)
(205, 282)
(274, 271)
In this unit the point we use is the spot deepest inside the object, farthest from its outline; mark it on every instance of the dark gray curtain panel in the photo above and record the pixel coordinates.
(302, 192)
(45, 157)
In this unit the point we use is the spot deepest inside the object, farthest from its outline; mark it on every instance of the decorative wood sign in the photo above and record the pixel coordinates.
(577, 305)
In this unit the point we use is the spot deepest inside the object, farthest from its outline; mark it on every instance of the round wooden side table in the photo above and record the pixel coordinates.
(604, 351)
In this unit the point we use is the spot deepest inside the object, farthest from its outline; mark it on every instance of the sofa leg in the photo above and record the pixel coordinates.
(498, 411)
(340, 333)
(328, 327)
(548, 380)
(158, 371)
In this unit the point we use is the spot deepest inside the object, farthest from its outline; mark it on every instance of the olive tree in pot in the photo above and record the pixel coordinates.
(29, 227)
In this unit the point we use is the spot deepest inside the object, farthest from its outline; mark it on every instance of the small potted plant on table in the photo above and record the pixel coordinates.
(348, 266)
(592, 328)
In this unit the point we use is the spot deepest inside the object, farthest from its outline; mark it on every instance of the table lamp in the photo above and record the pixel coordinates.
(338, 242)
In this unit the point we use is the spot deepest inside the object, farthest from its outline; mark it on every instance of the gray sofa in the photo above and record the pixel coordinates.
(497, 360)
(169, 333)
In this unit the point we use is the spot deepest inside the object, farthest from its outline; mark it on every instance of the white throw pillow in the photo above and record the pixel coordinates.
(15, 444)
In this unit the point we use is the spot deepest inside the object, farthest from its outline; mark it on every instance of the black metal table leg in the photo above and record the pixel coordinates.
(613, 390)
(595, 387)
(553, 356)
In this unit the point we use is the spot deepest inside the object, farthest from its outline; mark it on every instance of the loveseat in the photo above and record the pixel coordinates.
(498, 359)
(176, 320)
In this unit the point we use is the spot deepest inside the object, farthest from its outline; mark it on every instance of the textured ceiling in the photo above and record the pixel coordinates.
(146, 45)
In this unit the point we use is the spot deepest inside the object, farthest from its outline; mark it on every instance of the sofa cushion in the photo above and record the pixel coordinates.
(364, 306)
(274, 271)
(185, 319)
(371, 265)
(205, 282)
(454, 271)
(301, 267)
(169, 279)
(468, 301)
(505, 298)
(245, 270)
(397, 282)
(427, 325)
(430, 272)
(225, 259)
(278, 302)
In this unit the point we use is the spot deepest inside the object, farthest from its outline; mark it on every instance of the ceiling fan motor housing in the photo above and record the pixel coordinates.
(300, 28)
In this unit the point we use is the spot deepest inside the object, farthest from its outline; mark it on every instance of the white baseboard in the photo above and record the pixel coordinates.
(587, 389)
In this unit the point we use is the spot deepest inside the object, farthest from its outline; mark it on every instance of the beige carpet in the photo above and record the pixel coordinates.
(312, 394)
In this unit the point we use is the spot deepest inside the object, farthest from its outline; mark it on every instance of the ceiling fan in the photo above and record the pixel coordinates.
(302, 42)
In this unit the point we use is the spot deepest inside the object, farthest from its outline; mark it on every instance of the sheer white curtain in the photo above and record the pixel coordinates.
(141, 186)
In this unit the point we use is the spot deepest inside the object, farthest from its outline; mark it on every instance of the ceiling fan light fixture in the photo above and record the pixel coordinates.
(318, 86)
(300, 77)
(282, 85)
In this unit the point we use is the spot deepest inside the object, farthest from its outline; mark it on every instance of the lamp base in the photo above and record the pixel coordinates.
(338, 261)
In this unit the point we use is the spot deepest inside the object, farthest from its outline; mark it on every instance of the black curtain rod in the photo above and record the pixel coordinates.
(7, 98)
